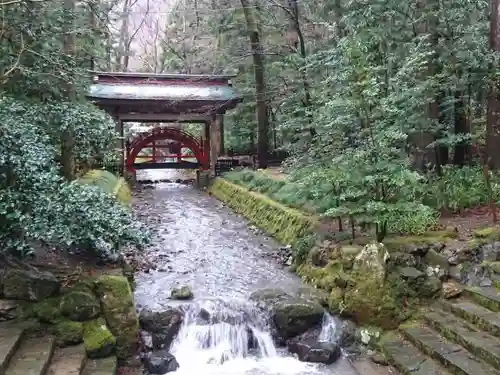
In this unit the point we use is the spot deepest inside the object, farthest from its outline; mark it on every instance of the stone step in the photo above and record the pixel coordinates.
(10, 339)
(476, 314)
(103, 366)
(32, 357)
(453, 356)
(486, 297)
(480, 343)
(366, 367)
(406, 358)
(68, 361)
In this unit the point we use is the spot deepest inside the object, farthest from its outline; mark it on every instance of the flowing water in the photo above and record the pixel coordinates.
(202, 244)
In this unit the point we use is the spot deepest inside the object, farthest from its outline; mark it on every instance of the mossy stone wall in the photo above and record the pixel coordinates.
(285, 224)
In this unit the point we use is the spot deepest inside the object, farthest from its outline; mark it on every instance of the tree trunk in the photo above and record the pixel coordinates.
(67, 137)
(461, 154)
(300, 46)
(260, 86)
(493, 113)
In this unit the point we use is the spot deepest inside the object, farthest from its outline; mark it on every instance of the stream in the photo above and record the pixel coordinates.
(202, 244)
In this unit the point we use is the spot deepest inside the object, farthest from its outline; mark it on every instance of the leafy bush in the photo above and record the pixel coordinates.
(36, 203)
(460, 188)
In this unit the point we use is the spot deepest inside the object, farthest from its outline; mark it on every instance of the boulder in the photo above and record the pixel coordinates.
(118, 307)
(452, 289)
(29, 285)
(68, 333)
(291, 314)
(47, 311)
(8, 310)
(160, 362)
(98, 340)
(430, 287)
(154, 321)
(164, 326)
(372, 259)
(293, 317)
(410, 273)
(80, 305)
(311, 350)
(368, 335)
(183, 293)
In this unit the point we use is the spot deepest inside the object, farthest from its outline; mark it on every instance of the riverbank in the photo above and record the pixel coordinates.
(416, 269)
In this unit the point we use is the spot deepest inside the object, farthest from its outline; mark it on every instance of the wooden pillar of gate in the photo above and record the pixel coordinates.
(214, 141)
(207, 144)
(220, 119)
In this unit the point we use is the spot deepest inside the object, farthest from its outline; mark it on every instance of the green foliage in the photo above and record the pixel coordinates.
(460, 188)
(327, 198)
(36, 204)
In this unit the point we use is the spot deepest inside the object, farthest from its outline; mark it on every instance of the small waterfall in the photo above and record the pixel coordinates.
(329, 329)
(218, 337)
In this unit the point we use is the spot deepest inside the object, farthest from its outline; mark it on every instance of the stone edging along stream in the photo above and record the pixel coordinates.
(283, 223)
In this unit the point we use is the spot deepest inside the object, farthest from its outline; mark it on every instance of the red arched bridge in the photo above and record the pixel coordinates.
(196, 158)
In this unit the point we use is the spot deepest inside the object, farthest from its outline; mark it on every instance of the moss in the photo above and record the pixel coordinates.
(118, 307)
(47, 311)
(371, 302)
(285, 224)
(80, 305)
(182, 293)
(404, 243)
(68, 333)
(326, 278)
(491, 233)
(98, 340)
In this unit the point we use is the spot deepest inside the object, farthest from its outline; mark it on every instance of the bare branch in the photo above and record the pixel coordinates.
(16, 64)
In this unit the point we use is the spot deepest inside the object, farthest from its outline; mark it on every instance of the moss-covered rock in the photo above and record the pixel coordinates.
(80, 305)
(292, 318)
(373, 302)
(372, 260)
(183, 293)
(68, 333)
(489, 233)
(47, 311)
(117, 302)
(29, 285)
(98, 340)
(285, 224)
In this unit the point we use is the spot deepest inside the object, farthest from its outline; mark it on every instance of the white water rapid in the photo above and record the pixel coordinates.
(235, 340)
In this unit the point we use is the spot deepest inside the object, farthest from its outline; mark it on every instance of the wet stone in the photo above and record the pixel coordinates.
(410, 273)
(182, 293)
(452, 289)
(160, 362)
(8, 309)
(314, 351)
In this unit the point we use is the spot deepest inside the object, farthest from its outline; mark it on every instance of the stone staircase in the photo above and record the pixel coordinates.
(22, 354)
(453, 337)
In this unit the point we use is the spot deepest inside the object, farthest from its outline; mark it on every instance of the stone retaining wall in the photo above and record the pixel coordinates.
(285, 224)
(98, 311)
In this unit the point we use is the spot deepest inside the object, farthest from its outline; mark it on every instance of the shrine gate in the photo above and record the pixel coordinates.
(166, 98)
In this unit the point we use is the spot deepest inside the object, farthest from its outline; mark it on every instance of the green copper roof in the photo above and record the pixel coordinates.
(184, 92)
